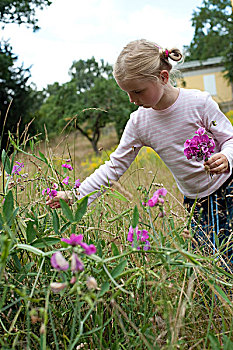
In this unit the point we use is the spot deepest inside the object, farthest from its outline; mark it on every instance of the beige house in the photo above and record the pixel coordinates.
(208, 76)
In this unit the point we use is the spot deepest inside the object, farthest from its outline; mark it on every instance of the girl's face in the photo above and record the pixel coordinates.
(145, 93)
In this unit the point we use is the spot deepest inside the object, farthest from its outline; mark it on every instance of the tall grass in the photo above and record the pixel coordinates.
(168, 297)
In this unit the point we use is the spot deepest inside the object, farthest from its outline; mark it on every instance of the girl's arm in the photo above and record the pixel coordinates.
(111, 170)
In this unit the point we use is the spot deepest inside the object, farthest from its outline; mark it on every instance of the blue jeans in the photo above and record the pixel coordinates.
(213, 215)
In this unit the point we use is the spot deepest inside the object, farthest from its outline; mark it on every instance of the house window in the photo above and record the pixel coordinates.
(209, 84)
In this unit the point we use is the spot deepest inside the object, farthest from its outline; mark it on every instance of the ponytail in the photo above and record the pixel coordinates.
(174, 54)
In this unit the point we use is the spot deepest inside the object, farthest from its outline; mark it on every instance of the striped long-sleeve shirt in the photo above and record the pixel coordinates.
(165, 131)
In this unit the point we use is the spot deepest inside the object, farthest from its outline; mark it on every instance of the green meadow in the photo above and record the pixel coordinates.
(125, 297)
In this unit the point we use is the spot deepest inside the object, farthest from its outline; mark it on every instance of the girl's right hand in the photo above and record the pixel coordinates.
(54, 202)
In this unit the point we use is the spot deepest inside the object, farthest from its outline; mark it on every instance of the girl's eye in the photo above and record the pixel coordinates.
(137, 91)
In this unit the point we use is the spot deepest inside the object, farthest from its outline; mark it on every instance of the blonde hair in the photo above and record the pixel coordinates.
(143, 59)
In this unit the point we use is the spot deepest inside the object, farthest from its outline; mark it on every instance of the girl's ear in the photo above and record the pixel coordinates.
(164, 76)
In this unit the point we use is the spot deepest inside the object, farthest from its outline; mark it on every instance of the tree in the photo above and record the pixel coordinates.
(91, 99)
(15, 91)
(21, 11)
(213, 34)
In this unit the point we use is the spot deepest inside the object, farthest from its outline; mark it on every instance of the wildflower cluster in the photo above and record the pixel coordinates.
(17, 168)
(141, 237)
(157, 200)
(67, 166)
(76, 265)
(199, 146)
(15, 177)
(52, 192)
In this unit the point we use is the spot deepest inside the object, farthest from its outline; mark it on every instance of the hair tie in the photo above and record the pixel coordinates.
(166, 53)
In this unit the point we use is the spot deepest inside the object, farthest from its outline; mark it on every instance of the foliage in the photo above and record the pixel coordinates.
(213, 33)
(16, 97)
(18, 100)
(121, 297)
(88, 102)
(21, 11)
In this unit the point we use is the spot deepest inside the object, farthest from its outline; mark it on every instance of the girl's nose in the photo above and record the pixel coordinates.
(131, 99)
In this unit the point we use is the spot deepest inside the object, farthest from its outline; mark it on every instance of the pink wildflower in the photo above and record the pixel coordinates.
(73, 240)
(157, 197)
(146, 246)
(59, 262)
(53, 193)
(142, 235)
(76, 263)
(67, 166)
(17, 168)
(57, 287)
(46, 190)
(66, 180)
(88, 249)
(77, 183)
(131, 233)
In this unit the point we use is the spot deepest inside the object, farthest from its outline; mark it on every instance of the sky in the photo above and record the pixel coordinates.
(79, 29)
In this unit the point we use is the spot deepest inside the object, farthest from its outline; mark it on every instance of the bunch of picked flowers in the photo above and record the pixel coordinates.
(76, 265)
(199, 146)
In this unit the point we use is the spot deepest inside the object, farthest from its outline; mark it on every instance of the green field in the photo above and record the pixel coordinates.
(167, 297)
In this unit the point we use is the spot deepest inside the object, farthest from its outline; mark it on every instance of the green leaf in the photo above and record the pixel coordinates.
(135, 217)
(45, 242)
(8, 206)
(115, 249)
(29, 248)
(104, 288)
(223, 295)
(16, 262)
(30, 231)
(6, 162)
(66, 210)
(42, 156)
(56, 223)
(82, 208)
(119, 269)
(65, 227)
(117, 195)
(214, 342)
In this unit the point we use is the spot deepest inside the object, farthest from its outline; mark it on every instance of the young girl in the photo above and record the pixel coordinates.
(165, 118)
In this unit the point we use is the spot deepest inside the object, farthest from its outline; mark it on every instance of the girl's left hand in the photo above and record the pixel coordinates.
(217, 164)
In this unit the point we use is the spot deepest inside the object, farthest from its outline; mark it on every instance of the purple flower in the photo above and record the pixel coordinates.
(66, 180)
(131, 233)
(146, 246)
(153, 200)
(142, 235)
(76, 263)
(162, 214)
(88, 249)
(59, 262)
(57, 287)
(53, 193)
(77, 183)
(46, 190)
(156, 198)
(17, 168)
(67, 166)
(200, 146)
(73, 240)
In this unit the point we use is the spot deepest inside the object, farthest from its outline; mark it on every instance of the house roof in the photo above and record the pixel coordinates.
(193, 65)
